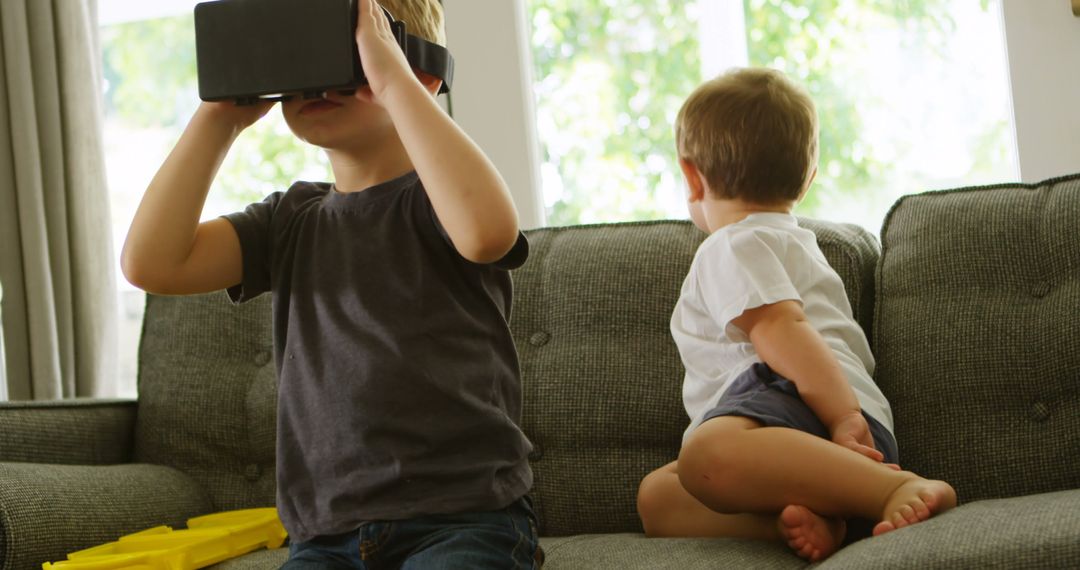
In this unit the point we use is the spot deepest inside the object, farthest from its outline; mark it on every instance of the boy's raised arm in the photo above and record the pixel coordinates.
(470, 198)
(167, 250)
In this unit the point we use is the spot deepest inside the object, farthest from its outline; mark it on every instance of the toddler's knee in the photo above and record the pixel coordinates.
(711, 474)
(651, 504)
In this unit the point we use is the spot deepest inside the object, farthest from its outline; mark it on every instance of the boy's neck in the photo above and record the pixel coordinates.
(719, 213)
(362, 167)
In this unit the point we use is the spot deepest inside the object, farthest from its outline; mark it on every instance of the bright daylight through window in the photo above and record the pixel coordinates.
(911, 95)
(151, 91)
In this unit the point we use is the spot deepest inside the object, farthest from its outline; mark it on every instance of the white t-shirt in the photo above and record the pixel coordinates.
(763, 259)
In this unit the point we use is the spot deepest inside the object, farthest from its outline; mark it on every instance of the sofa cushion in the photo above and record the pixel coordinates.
(615, 552)
(207, 395)
(976, 336)
(261, 559)
(48, 511)
(619, 551)
(602, 376)
(1037, 531)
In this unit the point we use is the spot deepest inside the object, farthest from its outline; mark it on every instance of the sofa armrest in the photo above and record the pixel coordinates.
(48, 511)
(69, 432)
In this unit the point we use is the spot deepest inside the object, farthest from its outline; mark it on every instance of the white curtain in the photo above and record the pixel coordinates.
(56, 260)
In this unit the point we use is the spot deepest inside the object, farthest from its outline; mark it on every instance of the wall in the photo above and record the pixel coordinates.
(492, 94)
(1043, 42)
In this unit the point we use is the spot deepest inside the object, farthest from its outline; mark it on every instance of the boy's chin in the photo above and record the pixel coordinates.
(323, 142)
(334, 139)
(341, 132)
(340, 143)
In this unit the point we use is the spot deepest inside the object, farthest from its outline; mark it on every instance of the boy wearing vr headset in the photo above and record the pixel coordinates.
(399, 396)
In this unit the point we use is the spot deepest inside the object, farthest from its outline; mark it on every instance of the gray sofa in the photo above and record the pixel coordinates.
(971, 303)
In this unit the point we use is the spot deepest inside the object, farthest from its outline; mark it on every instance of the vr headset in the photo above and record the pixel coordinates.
(273, 50)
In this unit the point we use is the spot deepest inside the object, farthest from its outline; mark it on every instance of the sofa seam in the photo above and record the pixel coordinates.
(572, 539)
(853, 258)
(1000, 186)
(5, 548)
(67, 404)
(572, 227)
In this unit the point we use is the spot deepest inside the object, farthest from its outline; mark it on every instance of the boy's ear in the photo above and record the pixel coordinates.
(430, 82)
(694, 180)
(809, 183)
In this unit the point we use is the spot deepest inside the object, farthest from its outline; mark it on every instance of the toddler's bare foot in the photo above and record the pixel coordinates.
(915, 501)
(810, 535)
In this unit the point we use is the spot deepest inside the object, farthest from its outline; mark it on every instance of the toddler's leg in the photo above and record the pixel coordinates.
(667, 509)
(733, 465)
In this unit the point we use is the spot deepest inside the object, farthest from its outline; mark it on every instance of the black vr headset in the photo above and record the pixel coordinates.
(273, 50)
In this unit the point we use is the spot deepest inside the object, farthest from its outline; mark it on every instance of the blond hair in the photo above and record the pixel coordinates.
(422, 18)
(752, 133)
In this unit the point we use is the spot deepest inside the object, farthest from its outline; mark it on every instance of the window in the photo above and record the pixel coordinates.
(150, 94)
(911, 96)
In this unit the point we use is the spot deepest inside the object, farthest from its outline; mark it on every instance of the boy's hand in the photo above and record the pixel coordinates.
(238, 117)
(852, 432)
(380, 55)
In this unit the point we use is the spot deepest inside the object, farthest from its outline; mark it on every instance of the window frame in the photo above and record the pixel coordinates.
(492, 99)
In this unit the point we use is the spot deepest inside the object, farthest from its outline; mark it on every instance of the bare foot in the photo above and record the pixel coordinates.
(810, 535)
(915, 501)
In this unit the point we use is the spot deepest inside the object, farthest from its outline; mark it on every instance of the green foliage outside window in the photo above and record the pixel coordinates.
(611, 74)
(610, 77)
(800, 38)
(151, 83)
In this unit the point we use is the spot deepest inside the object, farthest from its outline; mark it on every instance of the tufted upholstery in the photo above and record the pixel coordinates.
(976, 336)
(600, 372)
(207, 395)
(602, 376)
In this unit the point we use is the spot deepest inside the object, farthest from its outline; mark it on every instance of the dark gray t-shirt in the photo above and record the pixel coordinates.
(399, 392)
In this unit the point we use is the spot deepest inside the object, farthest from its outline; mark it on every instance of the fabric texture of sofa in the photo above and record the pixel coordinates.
(970, 301)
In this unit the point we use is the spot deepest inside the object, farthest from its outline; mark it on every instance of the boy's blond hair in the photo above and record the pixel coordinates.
(753, 135)
(422, 18)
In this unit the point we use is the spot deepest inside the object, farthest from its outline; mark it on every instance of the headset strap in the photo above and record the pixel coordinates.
(431, 58)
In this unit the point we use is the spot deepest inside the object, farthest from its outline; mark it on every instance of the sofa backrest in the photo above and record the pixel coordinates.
(208, 395)
(602, 377)
(977, 336)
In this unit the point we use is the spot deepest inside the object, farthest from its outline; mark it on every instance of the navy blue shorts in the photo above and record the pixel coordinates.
(767, 397)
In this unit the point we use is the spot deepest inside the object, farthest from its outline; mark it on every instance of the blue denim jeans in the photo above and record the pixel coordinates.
(500, 539)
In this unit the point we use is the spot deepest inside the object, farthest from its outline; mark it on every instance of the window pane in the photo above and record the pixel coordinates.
(150, 94)
(610, 76)
(911, 96)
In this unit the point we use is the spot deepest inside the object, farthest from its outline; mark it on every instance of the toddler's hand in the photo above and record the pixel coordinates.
(380, 55)
(852, 432)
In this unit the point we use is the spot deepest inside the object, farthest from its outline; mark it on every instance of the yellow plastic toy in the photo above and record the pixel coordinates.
(208, 540)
